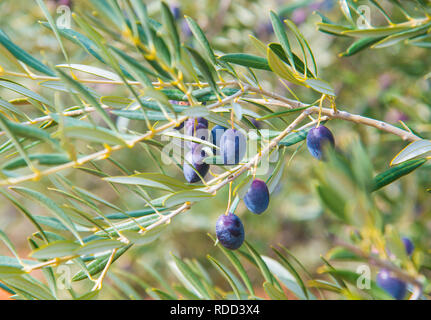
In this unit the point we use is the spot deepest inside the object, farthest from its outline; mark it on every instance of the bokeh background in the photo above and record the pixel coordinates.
(389, 84)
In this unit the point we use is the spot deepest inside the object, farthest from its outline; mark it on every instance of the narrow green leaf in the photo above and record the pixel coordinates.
(87, 94)
(233, 258)
(376, 32)
(189, 275)
(395, 173)
(247, 60)
(25, 212)
(23, 90)
(207, 71)
(202, 40)
(332, 200)
(260, 263)
(273, 292)
(171, 29)
(332, 28)
(413, 150)
(95, 134)
(145, 238)
(98, 246)
(116, 102)
(281, 36)
(31, 288)
(163, 295)
(403, 35)
(225, 274)
(23, 56)
(99, 264)
(55, 249)
(320, 86)
(280, 68)
(360, 45)
(281, 113)
(9, 107)
(287, 280)
(43, 159)
(48, 203)
(91, 70)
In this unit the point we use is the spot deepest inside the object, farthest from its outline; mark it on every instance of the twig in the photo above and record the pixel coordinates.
(343, 115)
(52, 262)
(167, 218)
(115, 82)
(99, 281)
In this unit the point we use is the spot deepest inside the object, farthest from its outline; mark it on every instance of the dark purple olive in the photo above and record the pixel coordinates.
(230, 231)
(408, 244)
(256, 123)
(194, 161)
(185, 29)
(176, 11)
(180, 126)
(232, 146)
(216, 133)
(257, 197)
(394, 286)
(318, 139)
(199, 124)
(192, 121)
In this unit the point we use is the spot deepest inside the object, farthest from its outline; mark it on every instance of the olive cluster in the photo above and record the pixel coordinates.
(231, 150)
(229, 228)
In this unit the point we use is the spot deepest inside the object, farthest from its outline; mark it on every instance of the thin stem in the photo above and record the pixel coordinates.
(115, 82)
(230, 199)
(53, 262)
(167, 218)
(320, 110)
(99, 281)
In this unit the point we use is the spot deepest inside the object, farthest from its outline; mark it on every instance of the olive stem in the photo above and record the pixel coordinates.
(229, 199)
(115, 82)
(320, 110)
(99, 281)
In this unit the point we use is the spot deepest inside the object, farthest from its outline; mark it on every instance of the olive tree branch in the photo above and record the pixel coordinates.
(374, 260)
(230, 176)
(233, 174)
(114, 82)
(104, 153)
